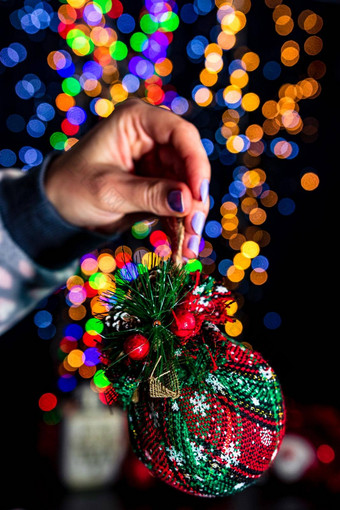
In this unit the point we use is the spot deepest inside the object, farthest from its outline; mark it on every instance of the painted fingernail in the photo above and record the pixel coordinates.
(175, 200)
(197, 222)
(193, 244)
(204, 190)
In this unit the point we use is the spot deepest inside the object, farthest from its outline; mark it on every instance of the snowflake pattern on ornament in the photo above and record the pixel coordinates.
(199, 403)
(217, 386)
(267, 373)
(175, 456)
(266, 436)
(198, 450)
(231, 455)
(175, 406)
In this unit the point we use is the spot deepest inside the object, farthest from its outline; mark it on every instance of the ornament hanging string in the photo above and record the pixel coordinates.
(177, 228)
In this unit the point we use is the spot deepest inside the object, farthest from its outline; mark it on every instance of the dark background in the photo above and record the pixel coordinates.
(301, 287)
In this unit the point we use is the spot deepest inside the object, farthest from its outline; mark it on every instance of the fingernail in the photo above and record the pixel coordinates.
(197, 222)
(175, 200)
(204, 190)
(193, 244)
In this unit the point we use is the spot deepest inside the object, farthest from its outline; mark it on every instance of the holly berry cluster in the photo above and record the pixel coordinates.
(152, 320)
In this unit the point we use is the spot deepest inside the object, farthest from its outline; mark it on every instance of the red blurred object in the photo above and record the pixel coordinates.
(184, 324)
(137, 346)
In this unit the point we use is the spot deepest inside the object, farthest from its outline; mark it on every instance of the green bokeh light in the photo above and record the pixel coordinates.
(148, 24)
(100, 379)
(192, 266)
(58, 140)
(138, 41)
(94, 326)
(71, 86)
(118, 50)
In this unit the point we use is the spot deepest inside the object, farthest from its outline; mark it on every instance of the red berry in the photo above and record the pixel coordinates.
(136, 346)
(184, 324)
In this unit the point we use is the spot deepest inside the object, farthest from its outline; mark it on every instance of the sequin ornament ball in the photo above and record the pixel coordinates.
(205, 413)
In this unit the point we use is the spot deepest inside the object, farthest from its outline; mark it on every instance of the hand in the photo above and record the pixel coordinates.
(142, 161)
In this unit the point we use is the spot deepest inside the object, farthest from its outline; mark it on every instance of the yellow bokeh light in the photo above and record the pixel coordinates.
(87, 371)
(77, 313)
(310, 181)
(239, 77)
(241, 262)
(251, 61)
(150, 260)
(77, 4)
(232, 94)
(251, 178)
(226, 41)
(257, 216)
(89, 266)
(270, 109)
(290, 53)
(235, 274)
(250, 249)
(106, 263)
(254, 132)
(118, 93)
(207, 78)
(74, 280)
(229, 222)
(231, 307)
(76, 358)
(284, 25)
(233, 22)
(98, 306)
(248, 203)
(235, 144)
(281, 10)
(203, 96)
(234, 328)
(258, 277)
(103, 107)
(163, 67)
(214, 62)
(228, 208)
(213, 48)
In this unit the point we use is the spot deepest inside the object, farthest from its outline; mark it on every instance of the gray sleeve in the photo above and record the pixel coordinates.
(38, 249)
(23, 283)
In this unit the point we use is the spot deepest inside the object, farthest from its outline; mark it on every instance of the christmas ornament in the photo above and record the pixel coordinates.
(136, 346)
(205, 413)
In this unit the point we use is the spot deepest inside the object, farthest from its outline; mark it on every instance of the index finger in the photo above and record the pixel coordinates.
(165, 127)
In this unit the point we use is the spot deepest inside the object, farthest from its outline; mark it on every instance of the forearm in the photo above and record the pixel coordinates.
(38, 249)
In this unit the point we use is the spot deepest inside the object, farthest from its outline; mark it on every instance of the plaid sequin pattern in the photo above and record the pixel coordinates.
(219, 437)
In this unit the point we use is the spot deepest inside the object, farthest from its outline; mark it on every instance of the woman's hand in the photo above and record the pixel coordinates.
(142, 161)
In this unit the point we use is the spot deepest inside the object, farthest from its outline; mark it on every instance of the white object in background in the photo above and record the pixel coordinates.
(94, 442)
(295, 457)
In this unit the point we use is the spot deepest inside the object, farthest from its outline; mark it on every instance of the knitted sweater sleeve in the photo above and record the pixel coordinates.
(39, 250)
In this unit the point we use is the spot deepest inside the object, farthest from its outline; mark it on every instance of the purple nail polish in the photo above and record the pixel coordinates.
(193, 244)
(197, 222)
(175, 200)
(204, 190)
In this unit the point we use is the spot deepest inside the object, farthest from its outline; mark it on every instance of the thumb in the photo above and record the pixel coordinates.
(161, 197)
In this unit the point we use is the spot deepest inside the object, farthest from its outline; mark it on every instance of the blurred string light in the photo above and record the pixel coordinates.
(239, 141)
(107, 55)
